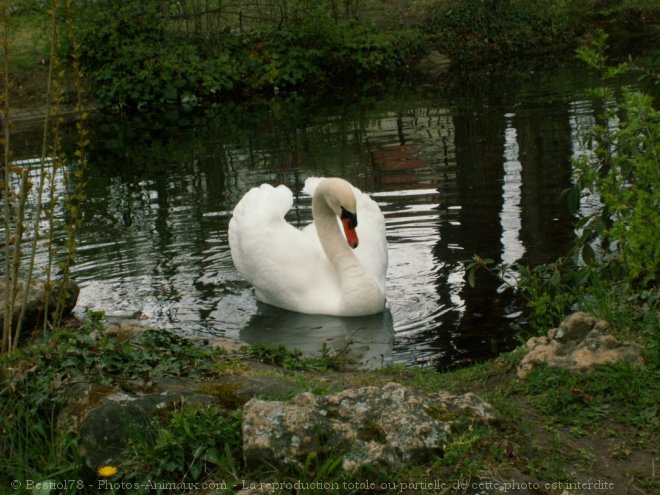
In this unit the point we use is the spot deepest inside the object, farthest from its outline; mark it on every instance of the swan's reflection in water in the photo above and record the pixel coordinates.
(366, 340)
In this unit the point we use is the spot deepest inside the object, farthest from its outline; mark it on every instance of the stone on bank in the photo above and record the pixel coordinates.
(579, 344)
(366, 426)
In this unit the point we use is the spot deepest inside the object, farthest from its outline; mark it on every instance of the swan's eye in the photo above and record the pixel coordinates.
(351, 217)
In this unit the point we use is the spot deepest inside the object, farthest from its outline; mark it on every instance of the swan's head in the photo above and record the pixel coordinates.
(340, 197)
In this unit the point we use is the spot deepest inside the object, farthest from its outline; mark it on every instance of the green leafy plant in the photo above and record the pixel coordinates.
(549, 291)
(623, 174)
(188, 445)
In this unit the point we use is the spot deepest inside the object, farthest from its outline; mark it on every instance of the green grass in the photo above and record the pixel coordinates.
(28, 58)
(189, 444)
(617, 393)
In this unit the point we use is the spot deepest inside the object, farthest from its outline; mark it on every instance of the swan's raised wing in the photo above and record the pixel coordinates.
(256, 231)
(274, 256)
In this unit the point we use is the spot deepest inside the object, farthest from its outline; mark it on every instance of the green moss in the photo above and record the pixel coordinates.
(225, 392)
(440, 413)
(373, 432)
(231, 365)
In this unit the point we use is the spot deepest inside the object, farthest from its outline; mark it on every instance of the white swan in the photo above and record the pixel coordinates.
(313, 270)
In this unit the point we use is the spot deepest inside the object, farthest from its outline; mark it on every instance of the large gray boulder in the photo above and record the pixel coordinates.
(366, 426)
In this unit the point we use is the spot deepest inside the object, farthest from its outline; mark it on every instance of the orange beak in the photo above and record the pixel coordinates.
(351, 233)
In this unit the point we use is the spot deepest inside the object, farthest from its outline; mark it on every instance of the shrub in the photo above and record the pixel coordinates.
(130, 61)
(135, 57)
(478, 29)
(624, 174)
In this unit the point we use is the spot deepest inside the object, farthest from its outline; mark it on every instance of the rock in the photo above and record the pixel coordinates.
(38, 299)
(107, 418)
(576, 327)
(106, 429)
(579, 344)
(370, 425)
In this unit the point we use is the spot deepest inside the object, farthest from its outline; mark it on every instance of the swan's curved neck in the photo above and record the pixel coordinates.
(334, 244)
(360, 293)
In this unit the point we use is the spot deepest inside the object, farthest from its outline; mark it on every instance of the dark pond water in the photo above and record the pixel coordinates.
(470, 165)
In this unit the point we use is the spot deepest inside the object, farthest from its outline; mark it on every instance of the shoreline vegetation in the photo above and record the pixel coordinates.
(137, 55)
(557, 431)
(554, 430)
